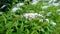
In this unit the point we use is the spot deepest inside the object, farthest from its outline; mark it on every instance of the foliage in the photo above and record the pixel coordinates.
(14, 22)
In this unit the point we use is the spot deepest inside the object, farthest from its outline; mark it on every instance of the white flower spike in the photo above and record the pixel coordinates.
(44, 7)
(53, 23)
(20, 4)
(15, 9)
(34, 2)
(31, 15)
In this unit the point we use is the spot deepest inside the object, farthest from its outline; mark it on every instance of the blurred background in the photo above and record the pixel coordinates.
(29, 16)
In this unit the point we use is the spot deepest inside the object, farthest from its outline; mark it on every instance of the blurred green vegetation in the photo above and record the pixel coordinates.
(14, 22)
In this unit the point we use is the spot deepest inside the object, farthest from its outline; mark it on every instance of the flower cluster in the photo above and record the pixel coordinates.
(34, 2)
(20, 4)
(44, 7)
(31, 15)
(53, 24)
(15, 9)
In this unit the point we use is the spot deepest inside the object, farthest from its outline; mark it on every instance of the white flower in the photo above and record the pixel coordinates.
(48, 14)
(41, 20)
(52, 1)
(53, 23)
(20, 4)
(31, 15)
(15, 9)
(44, 7)
(1, 13)
(47, 20)
(55, 4)
(3, 6)
(39, 15)
(34, 2)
